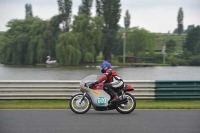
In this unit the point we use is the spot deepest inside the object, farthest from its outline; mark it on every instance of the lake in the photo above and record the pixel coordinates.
(79, 72)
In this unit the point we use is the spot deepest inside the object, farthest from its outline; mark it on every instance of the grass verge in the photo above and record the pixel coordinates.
(64, 104)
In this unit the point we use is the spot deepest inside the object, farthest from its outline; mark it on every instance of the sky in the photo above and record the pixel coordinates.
(154, 15)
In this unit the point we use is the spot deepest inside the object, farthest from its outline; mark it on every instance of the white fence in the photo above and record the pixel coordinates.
(60, 89)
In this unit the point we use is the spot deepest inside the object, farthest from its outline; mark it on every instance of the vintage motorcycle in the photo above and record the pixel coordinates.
(80, 103)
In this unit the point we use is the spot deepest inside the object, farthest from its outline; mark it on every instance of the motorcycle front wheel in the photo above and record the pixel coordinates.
(129, 106)
(78, 106)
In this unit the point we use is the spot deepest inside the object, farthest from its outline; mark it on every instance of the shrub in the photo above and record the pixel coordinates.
(194, 60)
(158, 58)
(182, 62)
(175, 61)
(120, 58)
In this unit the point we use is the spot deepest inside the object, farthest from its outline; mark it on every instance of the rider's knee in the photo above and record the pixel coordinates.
(106, 87)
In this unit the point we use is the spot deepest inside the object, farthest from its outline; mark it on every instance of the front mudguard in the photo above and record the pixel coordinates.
(76, 94)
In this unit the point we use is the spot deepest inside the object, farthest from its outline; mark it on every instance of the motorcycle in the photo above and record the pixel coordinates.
(100, 100)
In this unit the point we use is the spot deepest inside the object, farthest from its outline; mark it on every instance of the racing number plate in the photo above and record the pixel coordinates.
(101, 100)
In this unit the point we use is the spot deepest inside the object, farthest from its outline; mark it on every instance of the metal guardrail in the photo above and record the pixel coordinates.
(60, 89)
(177, 89)
(55, 89)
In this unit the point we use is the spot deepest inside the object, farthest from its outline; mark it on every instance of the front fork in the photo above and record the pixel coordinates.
(82, 97)
(123, 94)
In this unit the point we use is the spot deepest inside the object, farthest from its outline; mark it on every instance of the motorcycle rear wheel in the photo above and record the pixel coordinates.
(79, 107)
(129, 106)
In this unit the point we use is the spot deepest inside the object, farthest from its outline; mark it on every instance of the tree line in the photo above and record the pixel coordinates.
(30, 40)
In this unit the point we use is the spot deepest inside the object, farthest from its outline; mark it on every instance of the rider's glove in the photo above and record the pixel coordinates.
(92, 84)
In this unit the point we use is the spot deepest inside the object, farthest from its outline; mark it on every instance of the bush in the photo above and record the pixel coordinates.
(194, 60)
(182, 62)
(174, 61)
(120, 58)
(158, 58)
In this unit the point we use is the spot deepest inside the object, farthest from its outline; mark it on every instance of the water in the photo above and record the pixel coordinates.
(79, 72)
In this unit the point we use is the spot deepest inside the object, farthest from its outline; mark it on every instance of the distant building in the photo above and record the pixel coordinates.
(130, 59)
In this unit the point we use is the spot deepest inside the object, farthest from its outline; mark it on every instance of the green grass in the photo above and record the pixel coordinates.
(161, 38)
(34, 104)
(168, 104)
(64, 104)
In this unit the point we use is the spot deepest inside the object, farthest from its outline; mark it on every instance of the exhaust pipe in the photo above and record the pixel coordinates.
(123, 101)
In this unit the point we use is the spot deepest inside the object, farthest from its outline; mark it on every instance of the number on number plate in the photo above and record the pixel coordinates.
(101, 100)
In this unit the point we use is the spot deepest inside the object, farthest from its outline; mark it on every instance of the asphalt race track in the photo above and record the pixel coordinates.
(65, 121)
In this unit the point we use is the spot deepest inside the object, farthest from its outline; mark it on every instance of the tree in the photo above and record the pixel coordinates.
(189, 28)
(85, 7)
(44, 35)
(110, 10)
(28, 11)
(127, 19)
(118, 46)
(99, 10)
(29, 41)
(170, 46)
(192, 39)
(96, 35)
(197, 48)
(52, 33)
(17, 41)
(67, 49)
(180, 21)
(30, 8)
(139, 40)
(175, 31)
(80, 10)
(65, 12)
(89, 34)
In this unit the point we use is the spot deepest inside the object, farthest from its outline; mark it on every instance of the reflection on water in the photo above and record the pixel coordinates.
(79, 72)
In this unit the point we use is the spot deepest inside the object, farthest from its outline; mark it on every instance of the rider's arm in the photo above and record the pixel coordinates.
(102, 78)
(105, 76)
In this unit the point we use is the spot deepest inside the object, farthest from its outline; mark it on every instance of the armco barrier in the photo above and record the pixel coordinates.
(177, 89)
(60, 89)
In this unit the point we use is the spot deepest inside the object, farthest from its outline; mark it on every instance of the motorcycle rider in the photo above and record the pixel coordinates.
(111, 80)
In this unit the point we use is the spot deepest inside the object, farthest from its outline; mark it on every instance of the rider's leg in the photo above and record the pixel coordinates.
(107, 88)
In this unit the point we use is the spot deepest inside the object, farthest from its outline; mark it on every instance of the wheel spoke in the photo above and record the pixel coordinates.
(129, 106)
(79, 107)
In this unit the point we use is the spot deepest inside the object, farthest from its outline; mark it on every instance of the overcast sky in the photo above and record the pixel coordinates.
(153, 15)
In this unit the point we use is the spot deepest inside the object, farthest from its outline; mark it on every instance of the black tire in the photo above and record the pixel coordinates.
(79, 108)
(125, 108)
